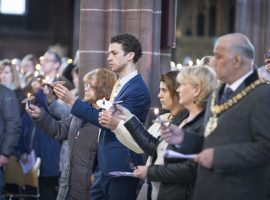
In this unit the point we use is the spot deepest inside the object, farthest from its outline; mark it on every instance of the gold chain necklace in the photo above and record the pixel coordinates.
(217, 109)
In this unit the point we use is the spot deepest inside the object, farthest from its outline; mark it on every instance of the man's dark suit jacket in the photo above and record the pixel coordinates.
(241, 145)
(111, 154)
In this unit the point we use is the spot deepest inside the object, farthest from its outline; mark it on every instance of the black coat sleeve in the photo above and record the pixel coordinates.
(144, 139)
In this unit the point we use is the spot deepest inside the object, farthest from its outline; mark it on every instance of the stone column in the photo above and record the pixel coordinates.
(102, 19)
(253, 20)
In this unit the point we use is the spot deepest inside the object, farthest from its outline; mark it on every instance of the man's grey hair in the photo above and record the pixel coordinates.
(245, 48)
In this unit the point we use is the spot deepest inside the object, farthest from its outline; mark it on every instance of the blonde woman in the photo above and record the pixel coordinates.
(177, 177)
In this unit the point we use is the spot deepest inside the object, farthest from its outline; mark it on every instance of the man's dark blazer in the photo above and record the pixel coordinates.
(241, 145)
(111, 154)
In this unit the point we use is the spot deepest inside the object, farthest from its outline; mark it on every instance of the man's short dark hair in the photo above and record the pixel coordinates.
(129, 44)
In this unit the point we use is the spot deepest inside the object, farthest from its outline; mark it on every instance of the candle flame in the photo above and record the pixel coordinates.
(156, 111)
(38, 66)
(28, 95)
(69, 61)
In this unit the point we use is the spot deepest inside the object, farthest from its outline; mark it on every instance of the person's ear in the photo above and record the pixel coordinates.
(237, 60)
(130, 56)
(196, 90)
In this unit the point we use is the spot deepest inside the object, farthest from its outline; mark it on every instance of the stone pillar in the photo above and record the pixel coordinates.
(102, 19)
(253, 20)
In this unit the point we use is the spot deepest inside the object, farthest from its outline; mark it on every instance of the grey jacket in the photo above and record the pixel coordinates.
(82, 138)
(241, 145)
(10, 122)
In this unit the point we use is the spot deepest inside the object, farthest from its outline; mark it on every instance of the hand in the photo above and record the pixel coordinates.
(36, 86)
(267, 67)
(107, 120)
(33, 111)
(205, 158)
(121, 112)
(172, 134)
(141, 172)
(3, 160)
(64, 94)
(49, 94)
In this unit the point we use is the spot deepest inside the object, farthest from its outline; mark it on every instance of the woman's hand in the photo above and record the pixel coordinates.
(141, 172)
(172, 134)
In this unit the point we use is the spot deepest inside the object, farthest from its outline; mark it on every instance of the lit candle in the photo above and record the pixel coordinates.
(179, 66)
(38, 67)
(103, 102)
(57, 77)
(190, 63)
(156, 111)
(69, 61)
(28, 99)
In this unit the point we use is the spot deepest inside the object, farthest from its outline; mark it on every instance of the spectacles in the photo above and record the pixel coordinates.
(47, 60)
(86, 85)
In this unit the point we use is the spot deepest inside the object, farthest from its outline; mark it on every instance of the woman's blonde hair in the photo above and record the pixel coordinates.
(201, 76)
(104, 81)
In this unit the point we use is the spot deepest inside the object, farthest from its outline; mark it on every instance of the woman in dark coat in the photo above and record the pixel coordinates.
(177, 176)
(82, 137)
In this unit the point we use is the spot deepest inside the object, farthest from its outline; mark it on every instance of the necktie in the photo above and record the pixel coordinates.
(226, 95)
(115, 87)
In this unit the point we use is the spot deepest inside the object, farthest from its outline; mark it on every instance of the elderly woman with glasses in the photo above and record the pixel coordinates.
(75, 181)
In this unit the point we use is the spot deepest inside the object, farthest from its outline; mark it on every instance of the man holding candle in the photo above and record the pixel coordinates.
(234, 161)
(124, 52)
(50, 63)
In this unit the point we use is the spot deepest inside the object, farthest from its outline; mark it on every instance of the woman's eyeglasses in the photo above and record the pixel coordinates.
(86, 85)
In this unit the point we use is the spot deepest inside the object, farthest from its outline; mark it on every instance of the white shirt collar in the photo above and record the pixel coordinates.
(127, 78)
(238, 82)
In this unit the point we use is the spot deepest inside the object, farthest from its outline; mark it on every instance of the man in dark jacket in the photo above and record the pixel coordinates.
(124, 52)
(234, 162)
(10, 127)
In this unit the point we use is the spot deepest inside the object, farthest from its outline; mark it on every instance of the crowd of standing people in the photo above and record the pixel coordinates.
(216, 112)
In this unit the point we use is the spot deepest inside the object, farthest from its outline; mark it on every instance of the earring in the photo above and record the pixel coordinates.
(195, 102)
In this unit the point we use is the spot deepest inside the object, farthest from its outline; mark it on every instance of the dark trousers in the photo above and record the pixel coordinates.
(113, 188)
(48, 187)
